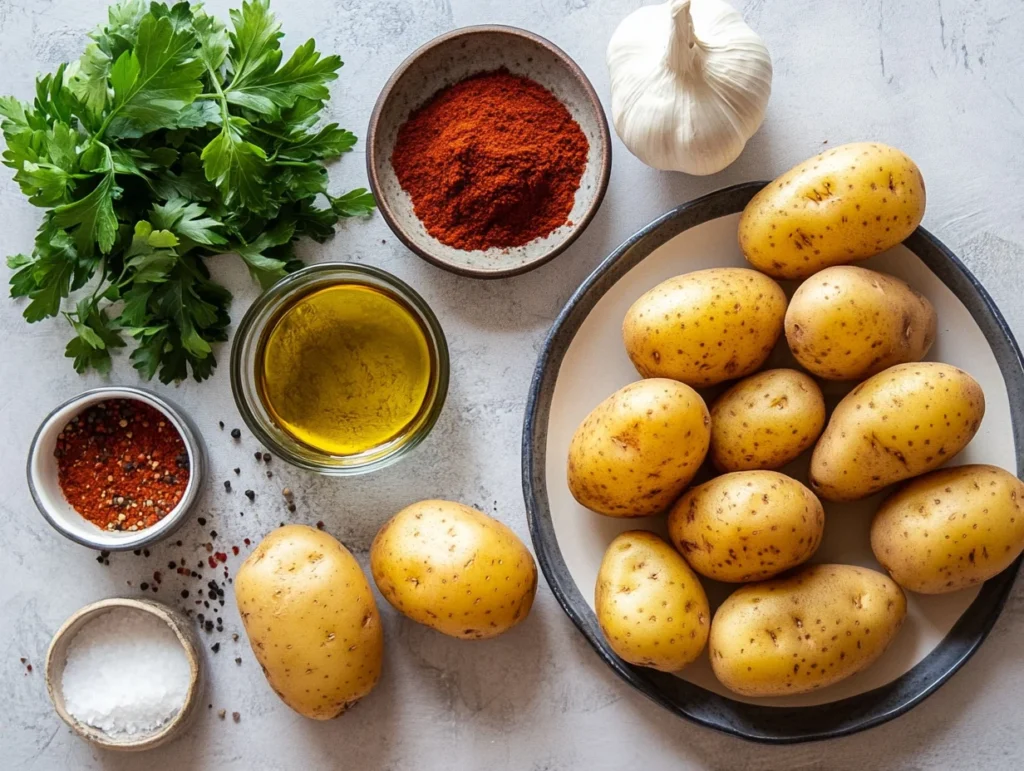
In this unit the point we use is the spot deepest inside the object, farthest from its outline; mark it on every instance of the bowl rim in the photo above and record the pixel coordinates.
(758, 723)
(174, 518)
(54, 671)
(580, 225)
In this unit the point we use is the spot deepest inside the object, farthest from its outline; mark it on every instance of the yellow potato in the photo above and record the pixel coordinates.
(804, 632)
(904, 421)
(766, 420)
(311, 620)
(848, 323)
(454, 569)
(747, 526)
(650, 605)
(638, 449)
(951, 528)
(705, 327)
(845, 204)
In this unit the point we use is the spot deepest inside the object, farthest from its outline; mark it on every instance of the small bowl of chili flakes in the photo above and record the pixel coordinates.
(488, 151)
(115, 468)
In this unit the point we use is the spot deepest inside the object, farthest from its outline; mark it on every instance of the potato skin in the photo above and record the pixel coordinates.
(705, 327)
(951, 528)
(311, 619)
(848, 323)
(747, 526)
(766, 420)
(804, 632)
(650, 604)
(454, 569)
(638, 449)
(845, 204)
(903, 422)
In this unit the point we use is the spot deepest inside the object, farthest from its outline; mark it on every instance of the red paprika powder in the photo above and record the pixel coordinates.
(492, 161)
(122, 465)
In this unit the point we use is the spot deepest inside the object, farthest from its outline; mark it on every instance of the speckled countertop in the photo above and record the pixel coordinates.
(940, 79)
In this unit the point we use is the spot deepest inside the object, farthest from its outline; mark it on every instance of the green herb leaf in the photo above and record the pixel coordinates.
(171, 138)
(237, 167)
(91, 218)
(354, 203)
(156, 80)
(265, 88)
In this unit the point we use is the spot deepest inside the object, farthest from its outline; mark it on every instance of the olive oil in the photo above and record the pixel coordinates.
(345, 368)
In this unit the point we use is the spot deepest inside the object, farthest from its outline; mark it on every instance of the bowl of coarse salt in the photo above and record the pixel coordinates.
(125, 674)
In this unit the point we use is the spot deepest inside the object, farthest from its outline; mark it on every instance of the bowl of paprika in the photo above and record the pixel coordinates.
(116, 468)
(489, 152)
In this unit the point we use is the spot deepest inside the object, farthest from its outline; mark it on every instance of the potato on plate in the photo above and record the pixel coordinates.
(454, 569)
(747, 526)
(766, 420)
(848, 323)
(311, 619)
(951, 528)
(705, 327)
(806, 631)
(845, 204)
(903, 422)
(638, 449)
(650, 605)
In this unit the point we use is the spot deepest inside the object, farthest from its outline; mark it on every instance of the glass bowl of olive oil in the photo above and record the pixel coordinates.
(340, 368)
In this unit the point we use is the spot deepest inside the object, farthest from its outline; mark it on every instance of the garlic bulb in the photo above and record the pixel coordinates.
(690, 83)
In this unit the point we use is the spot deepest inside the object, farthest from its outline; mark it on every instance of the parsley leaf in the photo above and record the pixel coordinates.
(354, 203)
(173, 138)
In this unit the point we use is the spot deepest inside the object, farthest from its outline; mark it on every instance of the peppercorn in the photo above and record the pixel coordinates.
(250, 495)
(215, 647)
(236, 434)
(227, 485)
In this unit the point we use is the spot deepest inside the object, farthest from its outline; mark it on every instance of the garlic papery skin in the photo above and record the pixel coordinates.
(690, 83)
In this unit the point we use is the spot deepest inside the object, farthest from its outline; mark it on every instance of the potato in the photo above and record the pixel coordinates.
(845, 204)
(904, 421)
(650, 605)
(705, 327)
(747, 526)
(638, 449)
(848, 323)
(950, 529)
(806, 631)
(766, 420)
(454, 569)
(311, 620)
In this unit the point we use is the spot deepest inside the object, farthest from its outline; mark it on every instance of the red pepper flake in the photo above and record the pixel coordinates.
(246, 541)
(221, 556)
(122, 465)
(212, 561)
(234, 550)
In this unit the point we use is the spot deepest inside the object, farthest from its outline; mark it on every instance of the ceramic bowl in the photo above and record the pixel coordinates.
(446, 60)
(57, 655)
(46, 492)
(583, 361)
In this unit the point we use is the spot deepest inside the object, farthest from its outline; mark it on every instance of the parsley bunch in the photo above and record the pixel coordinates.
(171, 140)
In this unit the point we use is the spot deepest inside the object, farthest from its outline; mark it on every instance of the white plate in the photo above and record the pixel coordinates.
(585, 361)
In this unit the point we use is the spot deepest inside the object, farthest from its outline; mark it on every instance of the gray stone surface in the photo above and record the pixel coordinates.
(939, 78)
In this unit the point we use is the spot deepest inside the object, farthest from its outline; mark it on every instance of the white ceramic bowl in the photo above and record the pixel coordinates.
(446, 60)
(57, 657)
(46, 492)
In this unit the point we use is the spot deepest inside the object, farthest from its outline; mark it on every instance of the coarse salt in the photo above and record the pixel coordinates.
(126, 673)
